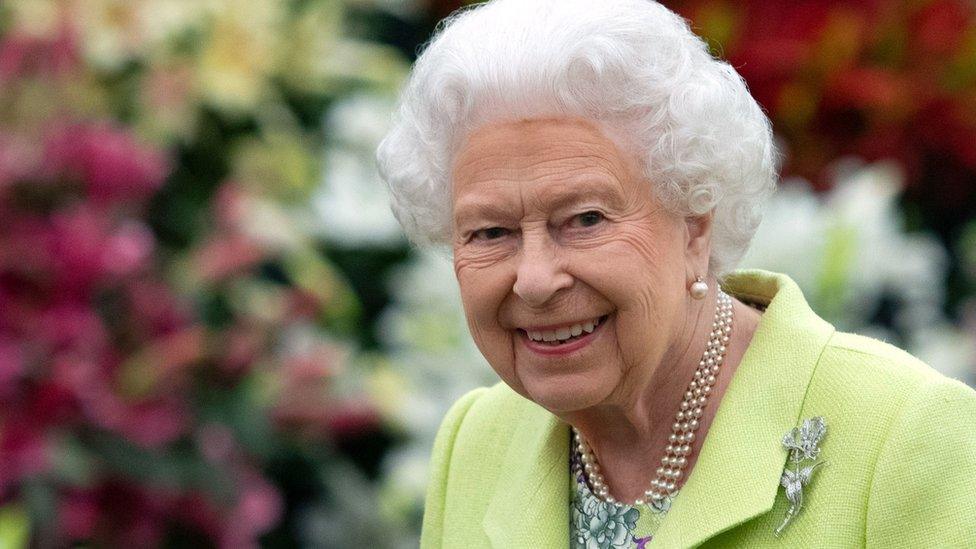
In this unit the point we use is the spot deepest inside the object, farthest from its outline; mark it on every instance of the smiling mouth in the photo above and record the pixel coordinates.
(565, 335)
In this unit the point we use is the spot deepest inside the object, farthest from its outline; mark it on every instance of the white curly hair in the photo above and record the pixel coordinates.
(631, 66)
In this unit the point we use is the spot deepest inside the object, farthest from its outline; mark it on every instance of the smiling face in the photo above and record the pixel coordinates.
(558, 238)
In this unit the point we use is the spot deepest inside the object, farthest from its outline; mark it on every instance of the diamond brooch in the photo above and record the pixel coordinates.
(802, 444)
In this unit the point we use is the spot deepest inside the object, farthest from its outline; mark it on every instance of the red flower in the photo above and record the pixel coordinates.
(939, 27)
(870, 89)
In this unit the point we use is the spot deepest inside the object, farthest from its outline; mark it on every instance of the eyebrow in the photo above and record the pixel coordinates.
(480, 210)
(602, 191)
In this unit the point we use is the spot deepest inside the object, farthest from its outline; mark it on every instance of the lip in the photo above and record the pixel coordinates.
(543, 349)
(554, 327)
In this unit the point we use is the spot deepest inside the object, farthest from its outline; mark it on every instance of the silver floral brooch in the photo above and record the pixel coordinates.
(802, 444)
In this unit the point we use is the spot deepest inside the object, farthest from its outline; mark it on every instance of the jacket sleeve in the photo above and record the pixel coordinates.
(432, 531)
(923, 493)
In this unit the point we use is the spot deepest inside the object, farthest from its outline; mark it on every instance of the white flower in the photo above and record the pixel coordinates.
(352, 202)
(848, 250)
(433, 362)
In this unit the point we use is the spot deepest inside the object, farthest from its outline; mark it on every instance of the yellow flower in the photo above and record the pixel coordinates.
(239, 53)
(36, 18)
(280, 163)
(312, 38)
(115, 32)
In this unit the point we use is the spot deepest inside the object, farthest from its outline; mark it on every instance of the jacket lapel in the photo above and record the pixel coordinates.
(530, 502)
(738, 471)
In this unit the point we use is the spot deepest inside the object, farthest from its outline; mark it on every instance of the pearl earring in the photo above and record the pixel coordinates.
(699, 289)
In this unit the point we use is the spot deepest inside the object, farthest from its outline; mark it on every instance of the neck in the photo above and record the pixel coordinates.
(629, 433)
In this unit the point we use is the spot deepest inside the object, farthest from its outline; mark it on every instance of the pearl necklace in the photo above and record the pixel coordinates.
(664, 487)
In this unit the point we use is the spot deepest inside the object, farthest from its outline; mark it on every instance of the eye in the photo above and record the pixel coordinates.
(491, 233)
(589, 219)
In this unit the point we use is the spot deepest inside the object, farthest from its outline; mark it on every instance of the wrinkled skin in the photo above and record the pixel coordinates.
(554, 224)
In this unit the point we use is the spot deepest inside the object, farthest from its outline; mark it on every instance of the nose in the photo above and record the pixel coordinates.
(541, 272)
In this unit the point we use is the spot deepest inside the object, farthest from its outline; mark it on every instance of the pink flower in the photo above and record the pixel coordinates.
(78, 514)
(230, 205)
(17, 160)
(23, 55)
(305, 403)
(240, 347)
(108, 160)
(11, 366)
(70, 325)
(78, 239)
(353, 419)
(157, 423)
(115, 514)
(23, 450)
(151, 424)
(128, 249)
(51, 404)
(77, 249)
(83, 377)
(158, 310)
(216, 443)
(258, 509)
(224, 256)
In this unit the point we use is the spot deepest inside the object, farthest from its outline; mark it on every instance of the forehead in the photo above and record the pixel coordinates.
(540, 156)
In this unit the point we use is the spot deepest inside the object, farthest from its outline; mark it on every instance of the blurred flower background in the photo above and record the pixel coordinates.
(212, 332)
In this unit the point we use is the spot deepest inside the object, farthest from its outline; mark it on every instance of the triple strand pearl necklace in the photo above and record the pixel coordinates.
(664, 487)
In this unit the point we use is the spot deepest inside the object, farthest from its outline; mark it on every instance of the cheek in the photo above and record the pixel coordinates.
(483, 290)
(634, 265)
(642, 273)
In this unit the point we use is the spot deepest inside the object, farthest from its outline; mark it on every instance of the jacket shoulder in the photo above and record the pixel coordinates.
(921, 487)
(872, 382)
(869, 357)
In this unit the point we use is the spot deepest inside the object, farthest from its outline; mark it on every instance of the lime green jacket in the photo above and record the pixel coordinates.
(900, 450)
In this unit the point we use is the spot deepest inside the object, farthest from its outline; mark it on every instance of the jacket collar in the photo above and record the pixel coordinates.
(738, 470)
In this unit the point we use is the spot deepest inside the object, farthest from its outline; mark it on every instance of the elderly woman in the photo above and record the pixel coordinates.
(597, 175)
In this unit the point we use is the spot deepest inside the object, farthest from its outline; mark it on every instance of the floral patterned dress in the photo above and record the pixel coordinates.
(595, 524)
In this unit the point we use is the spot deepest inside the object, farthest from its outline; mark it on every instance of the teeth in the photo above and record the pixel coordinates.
(565, 333)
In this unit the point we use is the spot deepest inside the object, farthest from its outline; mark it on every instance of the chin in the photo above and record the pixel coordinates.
(566, 395)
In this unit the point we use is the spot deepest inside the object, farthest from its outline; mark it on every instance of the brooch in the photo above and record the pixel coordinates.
(802, 444)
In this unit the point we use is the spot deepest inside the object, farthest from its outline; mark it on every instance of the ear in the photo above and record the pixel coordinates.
(698, 247)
